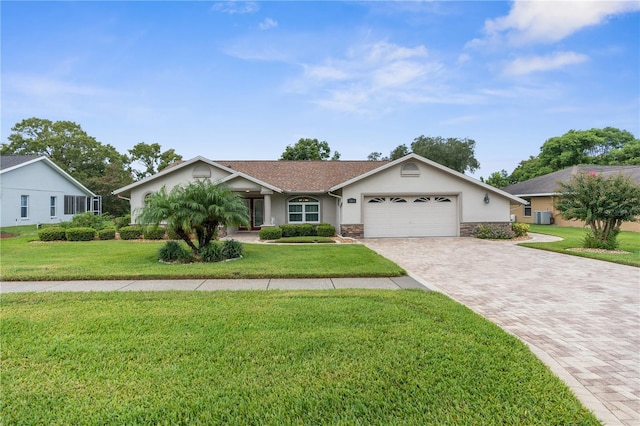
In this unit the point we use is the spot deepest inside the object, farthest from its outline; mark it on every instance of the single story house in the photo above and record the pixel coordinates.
(541, 193)
(408, 197)
(34, 190)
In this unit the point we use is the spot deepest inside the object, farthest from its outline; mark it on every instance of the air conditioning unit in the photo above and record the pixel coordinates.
(542, 217)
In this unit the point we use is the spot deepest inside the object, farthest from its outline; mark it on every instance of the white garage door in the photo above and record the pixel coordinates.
(411, 216)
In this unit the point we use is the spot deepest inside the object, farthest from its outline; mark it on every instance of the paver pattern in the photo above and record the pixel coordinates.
(580, 316)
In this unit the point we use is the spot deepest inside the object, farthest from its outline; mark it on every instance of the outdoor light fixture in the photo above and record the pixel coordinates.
(486, 198)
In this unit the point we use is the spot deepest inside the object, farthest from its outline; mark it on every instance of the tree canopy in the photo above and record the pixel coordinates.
(197, 208)
(152, 158)
(309, 149)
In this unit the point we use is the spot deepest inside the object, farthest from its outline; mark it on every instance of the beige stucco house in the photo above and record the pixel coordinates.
(408, 197)
(541, 193)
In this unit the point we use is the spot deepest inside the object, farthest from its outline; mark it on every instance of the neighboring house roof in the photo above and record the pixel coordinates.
(13, 162)
(548, 184)
(308, 176)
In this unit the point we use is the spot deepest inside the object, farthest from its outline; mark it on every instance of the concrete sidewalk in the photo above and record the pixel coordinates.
(392, 283)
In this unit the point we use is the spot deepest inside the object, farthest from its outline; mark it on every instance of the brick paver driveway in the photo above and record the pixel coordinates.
(580, 316)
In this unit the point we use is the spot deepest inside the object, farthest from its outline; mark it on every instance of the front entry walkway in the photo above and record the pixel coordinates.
(580, 316)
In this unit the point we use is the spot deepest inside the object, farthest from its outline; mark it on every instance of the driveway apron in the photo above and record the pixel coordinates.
(579, 316)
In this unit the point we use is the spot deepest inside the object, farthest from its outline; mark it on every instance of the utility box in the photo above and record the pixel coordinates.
(542, 217)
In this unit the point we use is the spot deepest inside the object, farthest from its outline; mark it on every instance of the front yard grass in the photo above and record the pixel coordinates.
(573, 237)
(24, 258)
(269, 358)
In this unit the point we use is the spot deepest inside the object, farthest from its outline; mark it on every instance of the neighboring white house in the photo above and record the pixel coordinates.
(408, 197)
(34, 190)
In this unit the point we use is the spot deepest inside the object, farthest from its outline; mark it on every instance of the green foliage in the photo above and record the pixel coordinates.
(212, 253)
(196, 208)
(152, 159)
(398, 152)
(270, 233)
(130, 232)
(603, 203)
(107, 234)
(232, 249)
(153, 232)
(325, 230)
(90, 220)
(457, 154)
(56, 233)
(499, 179)
(80, 234)
(520, 229)
(173, 251)
(269, 358)
(591, 241)
(309, 149)
(311, 239)
(493, 232)
(123, 221)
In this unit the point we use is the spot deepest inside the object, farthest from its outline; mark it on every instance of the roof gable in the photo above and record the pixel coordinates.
(548, 184)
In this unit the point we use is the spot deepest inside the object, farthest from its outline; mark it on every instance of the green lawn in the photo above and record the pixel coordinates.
(268, 358)
(23, 258)
(572, 238)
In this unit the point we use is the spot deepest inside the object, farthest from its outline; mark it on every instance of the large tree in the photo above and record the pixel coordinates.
(151, 158)
(603, 203)
(70, 147)
(196, 208)
(309, 149)
(455, 153)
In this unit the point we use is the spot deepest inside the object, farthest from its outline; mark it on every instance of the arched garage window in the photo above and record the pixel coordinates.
(304, 210)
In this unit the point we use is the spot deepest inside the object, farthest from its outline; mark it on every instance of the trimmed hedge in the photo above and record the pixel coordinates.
(107, 234)
(270, 233)
(325, 230)
(520, 229)
(493, 232)
(80, 234)
(154, 233)
(130, 233)
(55, 233)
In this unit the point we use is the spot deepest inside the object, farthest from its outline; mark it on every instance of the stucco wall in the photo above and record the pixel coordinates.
(39, 182)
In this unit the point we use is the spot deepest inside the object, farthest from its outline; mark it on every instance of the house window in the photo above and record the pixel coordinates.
(24, 206)
(74, 204)
(53, 201)
(422, 200)
(377, 200)
(410, 169)
(527, 207)
(397, 200)
(304, 210)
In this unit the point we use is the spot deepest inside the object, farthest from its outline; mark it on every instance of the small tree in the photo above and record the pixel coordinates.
(602, 203)
(196, 208)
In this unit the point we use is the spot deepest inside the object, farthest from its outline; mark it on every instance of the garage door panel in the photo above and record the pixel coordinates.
(435, 217)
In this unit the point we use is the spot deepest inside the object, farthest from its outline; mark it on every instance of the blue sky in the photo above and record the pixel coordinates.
(242, 80)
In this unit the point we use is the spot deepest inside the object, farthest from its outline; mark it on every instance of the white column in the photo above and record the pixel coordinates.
(267, 206)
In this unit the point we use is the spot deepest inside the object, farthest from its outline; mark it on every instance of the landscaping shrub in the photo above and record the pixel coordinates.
(289, 230)
(90, 220)
(173, 251)
(130, 232)
(611, 243)
(493, 232)
(231, 249)
(55, 233)
(122, 221)
(307, 230)
(298, 230)
(107, 234)
(520, 229)
(270, 233)
(153, 233)
(325, 230)
(212, 253)
(80, 234)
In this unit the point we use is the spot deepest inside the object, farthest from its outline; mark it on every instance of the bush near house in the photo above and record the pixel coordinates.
(270, 233)
(130, 232)
(153, 232)
(302, 230)
(493, 232)
(325, 230)
(80, 234)
(520, 229)
(56, 233)
(122, 221)
(107, 234)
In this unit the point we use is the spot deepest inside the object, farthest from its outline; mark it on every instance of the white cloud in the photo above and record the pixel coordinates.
(547, 22)
(267, 24)
(530, 64)
(235, 7)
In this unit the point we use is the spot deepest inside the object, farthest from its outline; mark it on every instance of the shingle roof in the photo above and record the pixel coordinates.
(548, 184)
(7, 161)
(303, 176)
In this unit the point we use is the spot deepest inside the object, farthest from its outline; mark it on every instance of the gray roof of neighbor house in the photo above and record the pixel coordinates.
(548, 184)
(7, 161)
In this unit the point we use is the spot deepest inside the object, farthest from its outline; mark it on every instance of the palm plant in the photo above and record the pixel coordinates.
(196, 208)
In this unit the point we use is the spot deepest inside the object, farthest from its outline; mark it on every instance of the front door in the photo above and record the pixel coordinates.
(256, 211)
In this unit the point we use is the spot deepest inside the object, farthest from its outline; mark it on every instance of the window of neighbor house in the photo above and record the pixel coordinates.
(527, 207)
(304, 210)
(74, 204)
(24, 206)
(53, 201)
